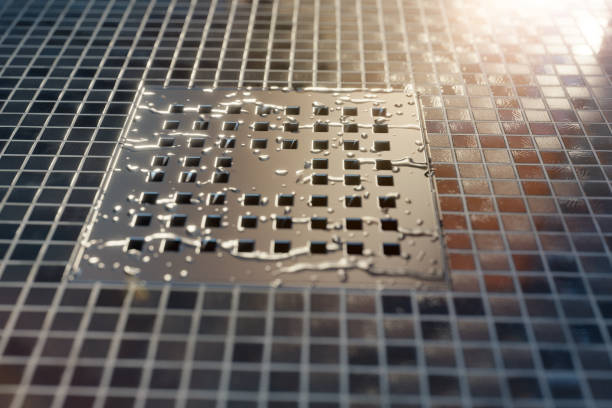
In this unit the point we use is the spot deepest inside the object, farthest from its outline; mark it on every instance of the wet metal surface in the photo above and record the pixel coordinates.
(269, 187)
(516, 100)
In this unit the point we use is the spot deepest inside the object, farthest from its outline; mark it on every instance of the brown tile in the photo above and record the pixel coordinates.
(458, 241)
(575, 143)
(527, 262)
(505, 187)
(447, 186)
(548, 223)
(465, 141)
(560, 172)
(566, 188)
(438, 141)
(553, 157)
(520, 142)
(541, 205)
(499, 283)
(468, 155)
(451, 203)
(511, 204)
(525, 156)
(563, 115)
(509, 114)
(454, 221)
(484, 114)
(492, 142)
(527, 171)
(444, 170)
(590, 116)
(496, 156)
(480, 187)
(522, 242)
(471, 170)
(488, 128)
(509, 103)
(548, 143)
(454, 101)
(535, 188)
(458, 114)
(480, 204)
(515, 128)
(441, 156)
(433, 114)
(459, 127)
(434, 127)
(461, 261)
(542, 128)
(484, 222)
(493, 261)
(501, 171)
(488, 241)
(464, 282)
(515, 222)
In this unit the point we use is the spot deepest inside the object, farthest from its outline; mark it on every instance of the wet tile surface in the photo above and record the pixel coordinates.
(516, 105)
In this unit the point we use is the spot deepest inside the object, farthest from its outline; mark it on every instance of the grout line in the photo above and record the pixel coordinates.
(228, 30)
(383, 40)
(205, 31)
(381, 343)
(149, 363)
(294, 28)
(63, 386)
(359, 9)
(179, 43)
(344, 369)
(34, 358)
(315, 42)
(263, 394)
(337, 8)
(304, 341)
(223, 391)
(188, 361)
(270, 42)
(102, 390)
(249, 36)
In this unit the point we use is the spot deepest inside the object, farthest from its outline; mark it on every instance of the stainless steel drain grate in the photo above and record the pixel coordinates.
(268, 187)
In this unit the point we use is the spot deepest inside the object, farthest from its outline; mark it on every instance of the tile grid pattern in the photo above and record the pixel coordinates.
(516, 103)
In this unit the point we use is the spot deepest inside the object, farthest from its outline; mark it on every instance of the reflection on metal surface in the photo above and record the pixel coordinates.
(269, 187)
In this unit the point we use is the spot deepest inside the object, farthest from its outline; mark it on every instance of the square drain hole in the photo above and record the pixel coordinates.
(268, 187)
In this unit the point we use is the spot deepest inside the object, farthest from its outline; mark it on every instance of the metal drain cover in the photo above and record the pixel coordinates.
(268, 187)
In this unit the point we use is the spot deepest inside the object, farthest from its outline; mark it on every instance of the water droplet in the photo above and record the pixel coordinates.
(131, 270)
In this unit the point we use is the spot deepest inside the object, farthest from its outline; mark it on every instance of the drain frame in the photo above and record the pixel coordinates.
(81, 268)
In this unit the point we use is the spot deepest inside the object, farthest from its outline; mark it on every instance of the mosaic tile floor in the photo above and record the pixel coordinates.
(516, 102)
